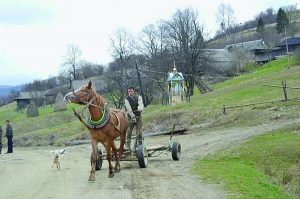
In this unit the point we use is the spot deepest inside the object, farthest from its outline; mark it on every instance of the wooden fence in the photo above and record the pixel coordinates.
(284, 87)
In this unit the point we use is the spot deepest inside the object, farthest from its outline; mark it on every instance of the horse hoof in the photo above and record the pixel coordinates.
(117, 170)
(111, 175)
(91, 178)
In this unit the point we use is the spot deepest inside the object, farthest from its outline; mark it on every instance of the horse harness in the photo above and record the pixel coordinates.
(105, 117)
(103, 120)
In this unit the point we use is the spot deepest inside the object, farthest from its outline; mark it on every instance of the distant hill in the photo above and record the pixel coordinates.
(5, 90)
(247, 32)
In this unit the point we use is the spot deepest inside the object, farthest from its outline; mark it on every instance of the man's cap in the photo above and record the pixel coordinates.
(131, 87)
(7, 121)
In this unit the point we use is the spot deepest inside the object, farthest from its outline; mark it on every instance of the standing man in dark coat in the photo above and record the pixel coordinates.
(9, 135)
(134, 107)
(0, 139)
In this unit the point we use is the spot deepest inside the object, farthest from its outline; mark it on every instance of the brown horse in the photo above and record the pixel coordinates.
(104, 125)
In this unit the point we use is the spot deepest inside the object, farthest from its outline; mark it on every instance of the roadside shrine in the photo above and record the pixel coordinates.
(176, 87)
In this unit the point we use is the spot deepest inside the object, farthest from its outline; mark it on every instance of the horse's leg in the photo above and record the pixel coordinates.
(108, 157)
(94, 157)
(120, 151)
(114, 148)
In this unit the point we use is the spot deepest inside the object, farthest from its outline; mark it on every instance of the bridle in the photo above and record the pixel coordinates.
(88, 102)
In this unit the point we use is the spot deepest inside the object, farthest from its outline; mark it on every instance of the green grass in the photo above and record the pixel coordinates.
(48, 125)
(263, 167)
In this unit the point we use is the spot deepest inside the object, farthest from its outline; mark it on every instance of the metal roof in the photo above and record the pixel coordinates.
(249, 45)
(289, 41)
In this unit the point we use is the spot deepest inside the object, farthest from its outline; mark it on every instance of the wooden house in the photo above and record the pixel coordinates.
(51, 94)
(288, 45)
(24, 98)
(256, 50)
(221, 60)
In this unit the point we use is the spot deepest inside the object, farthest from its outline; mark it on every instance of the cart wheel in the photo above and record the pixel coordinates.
(176, 151)
(99, 160)
(142, 155)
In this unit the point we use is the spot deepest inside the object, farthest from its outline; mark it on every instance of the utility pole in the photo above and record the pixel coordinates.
(286, 46)
(140, 82)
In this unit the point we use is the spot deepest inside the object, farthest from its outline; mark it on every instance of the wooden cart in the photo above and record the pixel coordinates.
(142, 152)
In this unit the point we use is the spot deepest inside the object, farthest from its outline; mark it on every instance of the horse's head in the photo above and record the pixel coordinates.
(81, 96)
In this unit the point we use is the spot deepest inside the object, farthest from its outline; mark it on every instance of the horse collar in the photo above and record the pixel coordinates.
(101, 122)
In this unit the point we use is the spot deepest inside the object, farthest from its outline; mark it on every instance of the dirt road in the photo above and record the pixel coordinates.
(27, 173)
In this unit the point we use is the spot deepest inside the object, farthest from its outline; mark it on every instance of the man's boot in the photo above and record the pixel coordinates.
(127, 144)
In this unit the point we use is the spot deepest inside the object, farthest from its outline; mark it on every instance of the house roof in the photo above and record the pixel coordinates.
(55, 90)
(97, 84)
(289, 41)
(249, 45)
(220, 55)
(29, 95)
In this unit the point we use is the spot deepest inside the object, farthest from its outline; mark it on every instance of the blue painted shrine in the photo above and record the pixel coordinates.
(176, 87)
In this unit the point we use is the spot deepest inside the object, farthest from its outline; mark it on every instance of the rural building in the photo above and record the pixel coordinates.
(290, 45)
(51, 94)
(221, 60)
(256, 50)
(24, 98)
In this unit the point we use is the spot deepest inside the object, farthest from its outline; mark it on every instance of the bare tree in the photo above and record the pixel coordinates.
(121, 43)
(72, 60)
(187, 44)
(225, 17)
(116, 88)
(152, 45)
(98, 69)
(88, 69)
(36, 85)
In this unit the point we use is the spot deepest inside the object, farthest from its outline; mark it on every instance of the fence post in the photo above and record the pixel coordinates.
(284, 89)
(224, 110)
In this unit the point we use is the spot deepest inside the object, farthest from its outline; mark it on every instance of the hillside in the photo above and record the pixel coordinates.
(243, 34)
(205, 110)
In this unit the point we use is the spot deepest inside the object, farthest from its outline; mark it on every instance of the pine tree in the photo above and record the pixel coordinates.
(282, 21)
(260, 25)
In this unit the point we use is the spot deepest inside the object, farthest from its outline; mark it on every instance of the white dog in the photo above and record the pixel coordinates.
(56, 158)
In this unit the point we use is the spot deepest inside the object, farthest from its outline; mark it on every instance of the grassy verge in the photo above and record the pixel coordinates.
(267, 166)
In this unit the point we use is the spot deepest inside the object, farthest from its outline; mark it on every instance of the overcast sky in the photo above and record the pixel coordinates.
(34, 34)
